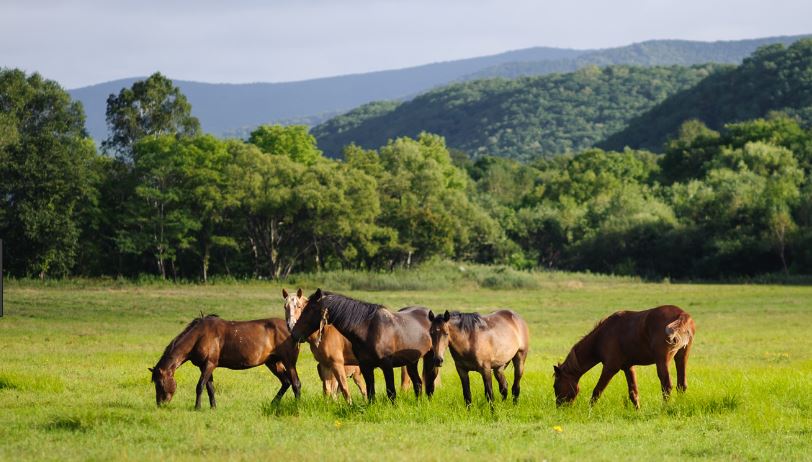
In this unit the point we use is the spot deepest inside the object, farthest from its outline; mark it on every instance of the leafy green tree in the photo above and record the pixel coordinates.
(46, 167)
(293, 141)
(151, 107)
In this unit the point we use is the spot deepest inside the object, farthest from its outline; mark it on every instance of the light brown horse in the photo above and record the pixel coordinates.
(483, 344)
(624, 340)
(333, 352)
(210, 342)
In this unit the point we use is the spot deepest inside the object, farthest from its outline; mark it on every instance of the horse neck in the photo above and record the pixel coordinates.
(457, 339)
(581, 357)
(179, 352)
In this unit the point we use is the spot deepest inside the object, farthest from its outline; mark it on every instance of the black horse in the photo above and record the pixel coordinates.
(379, 337)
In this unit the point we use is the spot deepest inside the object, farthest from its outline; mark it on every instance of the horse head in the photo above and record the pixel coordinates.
(294, 304)
(565, 386)
(439, 333)
(164, 385)
(312, 317)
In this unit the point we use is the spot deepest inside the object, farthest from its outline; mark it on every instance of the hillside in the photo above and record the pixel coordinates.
(775, 78)
(234, 109)
(649, 53)
(521, 119)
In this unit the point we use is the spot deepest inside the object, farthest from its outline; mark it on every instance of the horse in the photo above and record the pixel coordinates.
(210, 342)
(333, 352)
(379, 337)
(626, 339)
(482, 344)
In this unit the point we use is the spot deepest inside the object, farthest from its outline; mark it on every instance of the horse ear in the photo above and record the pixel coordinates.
(431, 315)
(151, 369)
(299, 292)
(556, 370)
(284, 293)
(446, 316)
(317, 295)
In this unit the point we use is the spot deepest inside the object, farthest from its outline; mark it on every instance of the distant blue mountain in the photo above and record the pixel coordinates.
(235, 109)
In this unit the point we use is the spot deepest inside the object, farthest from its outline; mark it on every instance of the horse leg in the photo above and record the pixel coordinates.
(665, 378)
(417, 382)
(327, 380)
(283, 379)
(358, 378)
(466, 385)
(210, 391)
(487, 380)
(502, 381)
(606, 375)
(294, 381)
(369, 379)
(389, 377)
(205, 372)
(518, 372)
(631, 381)
(681, 360)
(405, 381)
(430, 373)
(340, 376)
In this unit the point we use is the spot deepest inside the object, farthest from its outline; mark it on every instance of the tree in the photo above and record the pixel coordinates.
(46, 167)
(151, 107)
(293, 141)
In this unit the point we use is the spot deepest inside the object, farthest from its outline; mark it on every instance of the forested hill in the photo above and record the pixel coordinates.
(521, 119)
(775, 78)
(649, 53)
(235, 109)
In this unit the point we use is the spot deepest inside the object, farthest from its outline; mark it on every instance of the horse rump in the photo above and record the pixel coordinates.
(678, 334)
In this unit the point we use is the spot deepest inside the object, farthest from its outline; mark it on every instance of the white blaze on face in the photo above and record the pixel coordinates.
(292, 310)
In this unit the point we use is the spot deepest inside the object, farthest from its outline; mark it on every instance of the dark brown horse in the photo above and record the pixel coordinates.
(379, 337)
(482, 344)
(333, 352)
(624, 340)
(210, 342)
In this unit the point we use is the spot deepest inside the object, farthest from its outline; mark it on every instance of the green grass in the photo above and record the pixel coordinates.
(74, 381)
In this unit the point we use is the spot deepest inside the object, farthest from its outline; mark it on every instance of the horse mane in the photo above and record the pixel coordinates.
(571, 356)
(469, 322)
(346, 312)
(194, 322)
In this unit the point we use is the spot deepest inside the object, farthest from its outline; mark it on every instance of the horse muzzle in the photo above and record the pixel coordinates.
(438, 361)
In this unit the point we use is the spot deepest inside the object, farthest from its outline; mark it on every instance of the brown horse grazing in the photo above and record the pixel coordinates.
(333, 352)
(624, 340)
(379, 337)
(482, 344)
(210, 342)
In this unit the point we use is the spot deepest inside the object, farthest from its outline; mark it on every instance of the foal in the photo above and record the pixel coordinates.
(483, 344)
(332, 351)
(626, 339)
(210, 342)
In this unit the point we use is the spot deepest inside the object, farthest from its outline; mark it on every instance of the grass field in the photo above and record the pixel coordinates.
(74, 381)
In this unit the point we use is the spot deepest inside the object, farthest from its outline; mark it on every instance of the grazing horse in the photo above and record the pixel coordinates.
(333, 352)
(210, 342)
(624, 340)
(482, 344)
(379, 337)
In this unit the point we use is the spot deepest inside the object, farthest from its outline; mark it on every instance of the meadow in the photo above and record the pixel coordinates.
(74, 383)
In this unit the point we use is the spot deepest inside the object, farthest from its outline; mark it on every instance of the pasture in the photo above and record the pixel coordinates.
(74, 382)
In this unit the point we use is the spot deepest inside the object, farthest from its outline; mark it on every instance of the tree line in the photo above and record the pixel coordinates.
(163, 198)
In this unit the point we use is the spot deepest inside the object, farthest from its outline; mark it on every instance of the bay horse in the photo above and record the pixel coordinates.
(626, 339)
(379, 337)
(483, 344)
(333, 352)
(210, 342)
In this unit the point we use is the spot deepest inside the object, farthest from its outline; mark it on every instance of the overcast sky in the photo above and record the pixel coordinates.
(84, 42)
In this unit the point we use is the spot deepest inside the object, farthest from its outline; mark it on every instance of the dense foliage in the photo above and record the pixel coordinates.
(774, 78)
(718, 202)
(521, 119)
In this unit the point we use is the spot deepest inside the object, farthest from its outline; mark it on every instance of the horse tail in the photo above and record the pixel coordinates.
(679, 333)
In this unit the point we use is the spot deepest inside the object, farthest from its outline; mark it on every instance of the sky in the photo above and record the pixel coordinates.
(79, 43)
